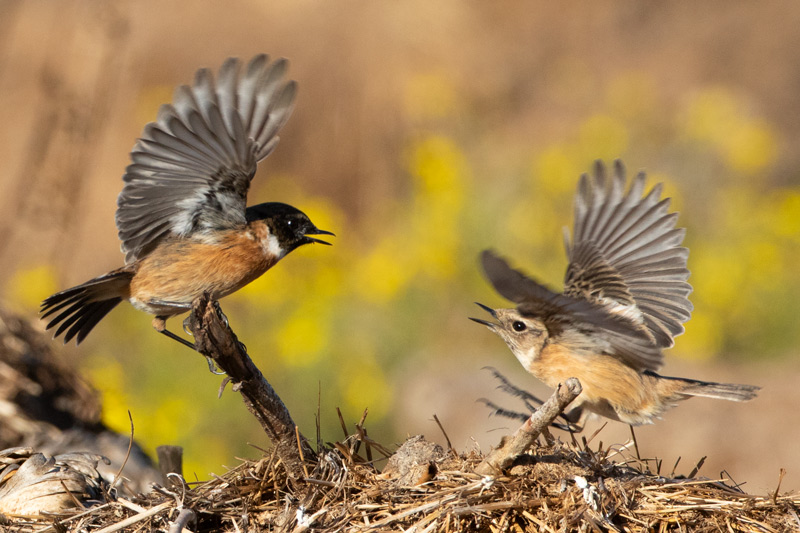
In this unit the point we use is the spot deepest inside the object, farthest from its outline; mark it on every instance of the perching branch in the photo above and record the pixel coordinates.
(501, 457)
(215, 339)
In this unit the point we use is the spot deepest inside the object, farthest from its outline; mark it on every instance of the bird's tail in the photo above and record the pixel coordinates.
(680, 387)
(82, 307)
(722, 391)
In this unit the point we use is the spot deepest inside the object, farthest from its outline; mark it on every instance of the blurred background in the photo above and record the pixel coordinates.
(424, 133)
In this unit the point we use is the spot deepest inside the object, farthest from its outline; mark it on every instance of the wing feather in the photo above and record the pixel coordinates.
(192, 167)
(627, 250)
(572, 317)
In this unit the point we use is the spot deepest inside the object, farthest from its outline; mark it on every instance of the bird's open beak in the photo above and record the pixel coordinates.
(315, 231)
(491, 325)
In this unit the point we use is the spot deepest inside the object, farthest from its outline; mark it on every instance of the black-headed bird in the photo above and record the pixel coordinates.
(182, 215)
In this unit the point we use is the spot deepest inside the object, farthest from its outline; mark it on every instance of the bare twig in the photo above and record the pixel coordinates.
(299, 438)
(136, 518)
(215, 339)
(446, 438)
(127, 455)
(697, 467)
(341, 421)
(522, 439)
(778, 488)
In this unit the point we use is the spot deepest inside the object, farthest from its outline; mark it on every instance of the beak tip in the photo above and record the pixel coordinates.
(316, 231)
(487, 309)
(483, 322)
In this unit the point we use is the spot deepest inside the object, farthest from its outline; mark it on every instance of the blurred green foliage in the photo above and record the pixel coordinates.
(339, 323)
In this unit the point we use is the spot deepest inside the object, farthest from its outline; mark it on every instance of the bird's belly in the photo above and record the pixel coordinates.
(168, 280)
(609, 387)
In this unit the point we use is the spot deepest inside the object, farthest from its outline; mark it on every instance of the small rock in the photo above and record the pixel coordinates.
(414, 463)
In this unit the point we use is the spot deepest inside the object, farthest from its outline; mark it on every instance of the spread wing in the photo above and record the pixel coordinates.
(573, 317)
(626, 255)
(192, 167)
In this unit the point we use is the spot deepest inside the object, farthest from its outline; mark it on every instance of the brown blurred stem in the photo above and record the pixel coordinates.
(215, 339)
(170, 461)
(512, 447)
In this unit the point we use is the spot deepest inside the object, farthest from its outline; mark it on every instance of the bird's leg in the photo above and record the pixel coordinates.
(160, 325)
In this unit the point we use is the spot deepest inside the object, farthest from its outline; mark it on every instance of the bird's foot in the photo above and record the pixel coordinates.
(220, 314)
(213, 368)
(187, 326)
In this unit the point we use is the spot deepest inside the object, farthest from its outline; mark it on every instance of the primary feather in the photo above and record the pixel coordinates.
(192, 167)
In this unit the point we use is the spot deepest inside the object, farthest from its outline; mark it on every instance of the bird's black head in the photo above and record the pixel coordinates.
(290, 226)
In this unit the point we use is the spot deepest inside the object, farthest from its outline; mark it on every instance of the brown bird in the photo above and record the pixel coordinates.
(625, 299)
(181, 216)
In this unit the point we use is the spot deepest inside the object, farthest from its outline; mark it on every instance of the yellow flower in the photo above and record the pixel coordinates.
(718, 118)
(304, 335)
(365, 385)
(556, 172)
(29, 286)
(108, 376)
(787, 214)
(751, 147)
(703, 338)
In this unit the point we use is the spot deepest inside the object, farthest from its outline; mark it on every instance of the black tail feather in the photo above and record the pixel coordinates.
(69, 316)
(92, 314)
(82, 307)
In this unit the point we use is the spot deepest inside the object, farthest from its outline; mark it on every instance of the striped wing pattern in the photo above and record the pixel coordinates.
(626, 254)
(192, 167)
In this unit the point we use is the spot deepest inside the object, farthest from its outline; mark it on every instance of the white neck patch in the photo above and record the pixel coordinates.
(526, 358)
(271, 247)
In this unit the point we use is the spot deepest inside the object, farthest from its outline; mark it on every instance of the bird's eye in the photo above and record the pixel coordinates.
(519, 326)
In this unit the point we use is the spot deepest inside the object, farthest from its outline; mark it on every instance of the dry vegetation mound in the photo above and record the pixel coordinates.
(562, 487)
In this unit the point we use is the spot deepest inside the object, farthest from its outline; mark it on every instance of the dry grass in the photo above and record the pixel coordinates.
(565, 487)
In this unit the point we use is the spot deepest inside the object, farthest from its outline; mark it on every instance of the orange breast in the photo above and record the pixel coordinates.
(610, 387)
(181, 270)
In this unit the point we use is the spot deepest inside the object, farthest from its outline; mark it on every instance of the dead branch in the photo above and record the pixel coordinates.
(501, 457)
(215, 339)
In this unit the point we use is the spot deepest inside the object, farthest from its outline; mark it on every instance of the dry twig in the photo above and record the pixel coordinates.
(501, 457)
(215, 339)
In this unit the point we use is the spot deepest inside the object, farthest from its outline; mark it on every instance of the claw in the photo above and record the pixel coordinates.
(213, 368)
(220, 314)
(187, 326)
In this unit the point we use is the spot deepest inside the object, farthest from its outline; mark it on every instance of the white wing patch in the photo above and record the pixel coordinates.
(631, 312)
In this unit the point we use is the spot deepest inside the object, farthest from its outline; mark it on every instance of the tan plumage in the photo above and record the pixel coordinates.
(625, 299)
